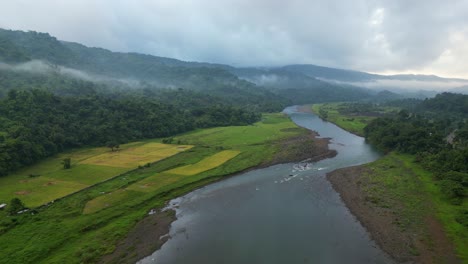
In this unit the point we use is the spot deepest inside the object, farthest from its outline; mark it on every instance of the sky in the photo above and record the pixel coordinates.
(393, 36)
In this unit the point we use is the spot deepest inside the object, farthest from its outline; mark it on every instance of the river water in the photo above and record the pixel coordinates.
(287, 213)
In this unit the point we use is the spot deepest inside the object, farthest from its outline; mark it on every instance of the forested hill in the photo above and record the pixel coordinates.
(445, 105)
(19, 46)
(447, 102)
(304, 89)
(75, 59)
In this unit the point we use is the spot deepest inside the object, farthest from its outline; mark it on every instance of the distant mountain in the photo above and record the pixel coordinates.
(98, 61)
(330, 73)
(461, 89)
(40, 60)
(357, 76)
(301, 88)
(294, 84)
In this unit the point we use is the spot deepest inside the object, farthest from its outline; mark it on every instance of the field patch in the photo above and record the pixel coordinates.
(206, 164)
(347, 116)
(155, 182)
(47, 180)
(136, 156)
(107, 200)
(38, 191)
(272, 127)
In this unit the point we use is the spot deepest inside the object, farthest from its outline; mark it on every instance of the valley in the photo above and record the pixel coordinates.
(123, 157)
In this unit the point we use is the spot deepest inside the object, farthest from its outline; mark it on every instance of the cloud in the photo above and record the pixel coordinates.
(372, 35)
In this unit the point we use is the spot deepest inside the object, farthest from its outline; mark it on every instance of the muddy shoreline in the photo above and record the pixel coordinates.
(142, 240)
(424, 242)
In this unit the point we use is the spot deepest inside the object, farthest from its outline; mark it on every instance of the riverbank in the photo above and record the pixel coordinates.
(85, 226)
(390, 199)
(352, 117)
(142, 240)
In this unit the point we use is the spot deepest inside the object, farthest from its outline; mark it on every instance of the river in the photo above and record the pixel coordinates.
(287, 213)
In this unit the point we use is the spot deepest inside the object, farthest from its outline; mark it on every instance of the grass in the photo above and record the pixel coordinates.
(272, 127)
(353, 123)
(107, 200)
(205, 164)
(398, 183)
(159, 180)
(89, 166)
(153, 183)
(86, 225)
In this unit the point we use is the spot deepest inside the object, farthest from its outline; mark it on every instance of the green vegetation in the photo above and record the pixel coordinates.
(208, 163)
(352, 117)
(86, 225)
(437, 141)
(47, 180)
(61, 123)
(446, 166)
(402, 185)
(15, 206)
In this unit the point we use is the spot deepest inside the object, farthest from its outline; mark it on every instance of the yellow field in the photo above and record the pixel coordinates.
(206, 163)
(89, 166)
(138, 155)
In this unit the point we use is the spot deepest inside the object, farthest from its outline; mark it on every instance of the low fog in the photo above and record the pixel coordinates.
(406, 85)
(44, 67)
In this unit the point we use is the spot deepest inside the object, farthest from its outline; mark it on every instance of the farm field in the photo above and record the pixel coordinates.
(205, 164)
(48, 180)
(86, 225)
(153, 183)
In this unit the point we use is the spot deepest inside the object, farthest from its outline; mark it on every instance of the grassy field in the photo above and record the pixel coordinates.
(86, 225)
(134, 156)
(153, 183)
(89, 166)
(352, 122)
(208, 163)
(400, 183)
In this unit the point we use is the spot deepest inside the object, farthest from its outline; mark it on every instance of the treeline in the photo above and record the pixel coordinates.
(35, 124)
(436, 132)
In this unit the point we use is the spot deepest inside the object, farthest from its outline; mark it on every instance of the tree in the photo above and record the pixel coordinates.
(66, 163)
(15, 206)
(112, 145)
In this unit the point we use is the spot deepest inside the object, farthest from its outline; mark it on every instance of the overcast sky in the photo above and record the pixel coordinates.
(427, 36)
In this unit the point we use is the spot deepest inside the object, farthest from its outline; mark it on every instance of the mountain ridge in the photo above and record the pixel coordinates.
(24, 39)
